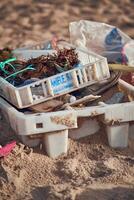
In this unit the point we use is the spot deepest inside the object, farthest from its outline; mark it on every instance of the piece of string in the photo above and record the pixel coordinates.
(18, 72)
(7, 62)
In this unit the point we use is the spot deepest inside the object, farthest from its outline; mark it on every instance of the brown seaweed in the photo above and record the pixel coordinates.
(44, 65)
(49, 65)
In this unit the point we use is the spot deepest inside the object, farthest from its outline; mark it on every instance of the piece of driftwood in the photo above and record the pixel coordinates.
(82, 101)
(120, 67)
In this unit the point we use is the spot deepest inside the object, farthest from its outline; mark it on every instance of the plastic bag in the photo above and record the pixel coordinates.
(103, 39)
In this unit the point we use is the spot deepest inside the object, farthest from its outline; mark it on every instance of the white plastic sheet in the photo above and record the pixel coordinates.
(103, 39)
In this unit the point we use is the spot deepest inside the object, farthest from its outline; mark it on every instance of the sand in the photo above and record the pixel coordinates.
(91, 169)
(24, 22)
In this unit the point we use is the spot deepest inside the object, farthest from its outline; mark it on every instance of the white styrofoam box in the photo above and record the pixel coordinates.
(56, 143)
(86, 126)
(29, 124)
(94, 69)
(118, 135)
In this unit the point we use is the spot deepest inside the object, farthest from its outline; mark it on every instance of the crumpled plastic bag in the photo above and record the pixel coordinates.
(103, 39)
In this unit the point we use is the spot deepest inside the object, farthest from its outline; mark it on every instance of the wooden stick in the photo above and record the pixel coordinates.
(83, 100)
(120, 67)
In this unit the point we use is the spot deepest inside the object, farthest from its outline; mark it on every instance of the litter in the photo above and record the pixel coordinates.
(95, 69)
(83, 101)
(5, 150)
(111, 42)
(53, 124)
(51, 64)
(68, 98)
(48, 106)
(122, 68)
(59, 90)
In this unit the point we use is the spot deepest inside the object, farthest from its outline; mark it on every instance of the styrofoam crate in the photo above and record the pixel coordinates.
(94, 69)
(28, 124)
(52, 128)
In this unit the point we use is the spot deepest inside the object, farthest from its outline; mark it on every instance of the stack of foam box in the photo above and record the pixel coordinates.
(52, 129)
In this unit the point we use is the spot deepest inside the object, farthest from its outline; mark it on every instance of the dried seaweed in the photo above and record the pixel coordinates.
(45, 66)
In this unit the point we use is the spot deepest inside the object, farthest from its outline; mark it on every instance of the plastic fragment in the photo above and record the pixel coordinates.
(4, 151)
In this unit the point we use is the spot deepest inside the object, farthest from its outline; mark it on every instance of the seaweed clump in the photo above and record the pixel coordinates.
(18, 71)
(49, 65)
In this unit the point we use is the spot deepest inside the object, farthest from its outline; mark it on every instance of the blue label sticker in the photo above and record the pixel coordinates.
(62, 83)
